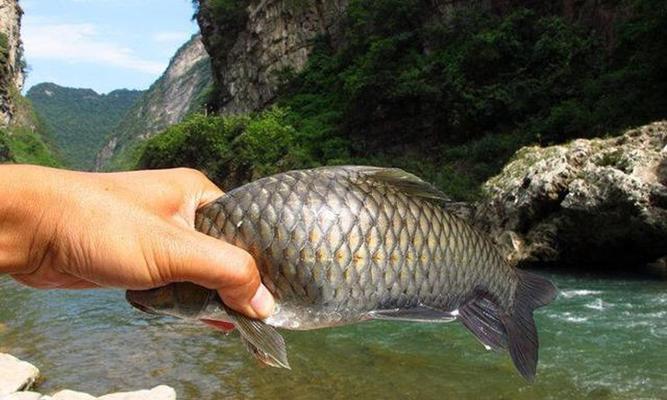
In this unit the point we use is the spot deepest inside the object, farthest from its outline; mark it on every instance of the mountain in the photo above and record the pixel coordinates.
(80, 119)
(12, 64)
(22, 135)
(180, 91)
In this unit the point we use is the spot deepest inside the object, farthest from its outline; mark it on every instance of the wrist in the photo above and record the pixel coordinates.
(26, 195)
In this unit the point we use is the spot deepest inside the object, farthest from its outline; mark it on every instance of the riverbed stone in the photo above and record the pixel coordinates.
(72, 395)
(599, 202)
(15, 374)
(24, 396)
(158, 393)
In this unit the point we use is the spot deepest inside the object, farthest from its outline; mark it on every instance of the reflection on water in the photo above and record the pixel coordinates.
(601, 339)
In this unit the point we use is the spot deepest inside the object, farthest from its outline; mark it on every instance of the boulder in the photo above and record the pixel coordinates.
(24, 396)
(598, 202)
(15, 374)
(72, 395)
(157, 393)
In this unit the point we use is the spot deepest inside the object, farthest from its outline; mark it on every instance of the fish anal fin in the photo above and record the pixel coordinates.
(262, 341)
(513, 329)
(415, 314)
(483, 318)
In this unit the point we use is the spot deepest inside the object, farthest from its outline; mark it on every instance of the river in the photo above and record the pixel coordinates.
(601, 339)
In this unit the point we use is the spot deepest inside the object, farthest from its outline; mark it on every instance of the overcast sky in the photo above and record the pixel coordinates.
(103, 44)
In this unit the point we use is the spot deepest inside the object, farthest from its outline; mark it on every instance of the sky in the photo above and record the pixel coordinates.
(103, 44)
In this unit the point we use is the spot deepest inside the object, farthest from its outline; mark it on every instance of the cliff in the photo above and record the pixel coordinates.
(11, 58)
(253, 42)
(179, 91)
(256, 44)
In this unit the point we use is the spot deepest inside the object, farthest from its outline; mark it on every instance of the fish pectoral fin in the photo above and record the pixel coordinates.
(262, 356)
(262, 341)
(415, 314)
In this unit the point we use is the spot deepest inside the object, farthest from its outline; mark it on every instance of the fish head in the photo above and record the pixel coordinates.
(183, 300)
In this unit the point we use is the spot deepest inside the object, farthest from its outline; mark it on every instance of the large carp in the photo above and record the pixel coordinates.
(339, 245)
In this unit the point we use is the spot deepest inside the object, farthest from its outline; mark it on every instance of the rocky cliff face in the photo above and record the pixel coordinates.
(11, 53)
(274, 36)
(252, 44)
(179, 91)
(600, 201)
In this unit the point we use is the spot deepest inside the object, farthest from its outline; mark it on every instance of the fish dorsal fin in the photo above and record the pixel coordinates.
(404, 182)
(415, 314)
(261, 340)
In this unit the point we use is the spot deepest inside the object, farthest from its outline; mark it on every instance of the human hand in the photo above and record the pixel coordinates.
(132, 230)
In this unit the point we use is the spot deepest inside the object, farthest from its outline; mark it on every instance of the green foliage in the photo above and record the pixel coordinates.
(4, 48)
(80, 119)
(230, 17)
(449, 98)
(25, 140)
(5, 150)
(29, 147)
(230, 150)
(4, 57)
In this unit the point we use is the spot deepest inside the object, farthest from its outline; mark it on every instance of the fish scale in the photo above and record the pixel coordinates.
(338, 245)
(393, 256)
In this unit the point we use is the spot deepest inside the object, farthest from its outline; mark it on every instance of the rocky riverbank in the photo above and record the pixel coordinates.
(17, 377)
(602, 202)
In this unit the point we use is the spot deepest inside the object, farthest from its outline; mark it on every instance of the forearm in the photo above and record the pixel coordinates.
(24, 192)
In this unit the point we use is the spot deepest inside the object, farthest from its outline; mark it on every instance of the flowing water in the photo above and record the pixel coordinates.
(601, 339)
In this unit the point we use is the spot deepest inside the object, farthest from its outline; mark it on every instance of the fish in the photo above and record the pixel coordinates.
(347, 244)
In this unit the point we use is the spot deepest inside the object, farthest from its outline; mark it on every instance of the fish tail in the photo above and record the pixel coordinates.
(513, 330)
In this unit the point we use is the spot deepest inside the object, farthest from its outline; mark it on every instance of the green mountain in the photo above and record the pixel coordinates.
(80, 119)
(180, 91)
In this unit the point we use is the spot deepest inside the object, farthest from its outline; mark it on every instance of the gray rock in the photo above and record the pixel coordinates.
(72, 395)
(157, 393)
(15, 374)
(24, 396)
(598, 202)
(10, 26)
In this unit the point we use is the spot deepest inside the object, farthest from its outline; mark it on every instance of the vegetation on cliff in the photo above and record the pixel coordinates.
(450, 99)
(25, 140)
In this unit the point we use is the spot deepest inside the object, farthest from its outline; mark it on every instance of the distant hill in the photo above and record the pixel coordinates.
(79, 120)
(180, 91)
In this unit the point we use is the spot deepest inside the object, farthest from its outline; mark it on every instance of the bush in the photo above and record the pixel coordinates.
(5, 151)
(230, 150)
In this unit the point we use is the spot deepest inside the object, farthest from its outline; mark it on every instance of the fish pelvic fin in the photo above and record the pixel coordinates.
(262, 341)
(513, 330)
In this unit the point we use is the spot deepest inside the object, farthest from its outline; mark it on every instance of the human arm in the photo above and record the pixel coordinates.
(132, 230)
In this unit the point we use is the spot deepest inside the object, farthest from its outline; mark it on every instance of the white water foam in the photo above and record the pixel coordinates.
(598, 305)
(568, 294)
(576, 319)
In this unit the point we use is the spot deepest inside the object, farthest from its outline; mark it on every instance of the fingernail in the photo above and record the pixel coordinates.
(262, 302)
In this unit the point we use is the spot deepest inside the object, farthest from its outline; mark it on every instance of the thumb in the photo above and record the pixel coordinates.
(195, 257)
